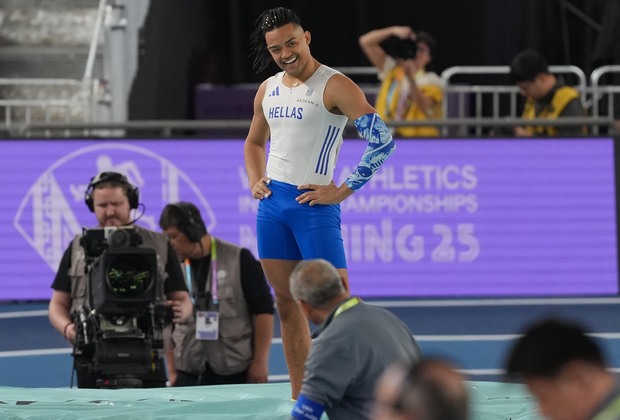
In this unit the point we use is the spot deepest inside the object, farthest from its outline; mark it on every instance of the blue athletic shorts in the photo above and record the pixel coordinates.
(287, 230)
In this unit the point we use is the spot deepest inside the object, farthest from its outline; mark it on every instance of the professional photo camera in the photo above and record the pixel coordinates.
(405, 48)
(121, 329)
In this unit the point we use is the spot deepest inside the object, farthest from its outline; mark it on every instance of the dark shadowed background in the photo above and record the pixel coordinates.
(184, 43)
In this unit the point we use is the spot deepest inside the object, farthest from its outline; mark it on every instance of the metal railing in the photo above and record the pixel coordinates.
(53, 100)
(239, 128)
(602, 92)
(459, 120)
(22, 101)
(457, 97)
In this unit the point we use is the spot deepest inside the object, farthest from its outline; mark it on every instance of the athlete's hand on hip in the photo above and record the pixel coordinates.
(320, 194)
(260, 189)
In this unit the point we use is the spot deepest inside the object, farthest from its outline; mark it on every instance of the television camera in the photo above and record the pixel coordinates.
(120, 328)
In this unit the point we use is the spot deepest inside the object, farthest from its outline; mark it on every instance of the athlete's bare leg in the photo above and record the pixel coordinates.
(293, 323)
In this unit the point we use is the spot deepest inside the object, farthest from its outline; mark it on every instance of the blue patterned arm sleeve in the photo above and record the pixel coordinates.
(380, 146)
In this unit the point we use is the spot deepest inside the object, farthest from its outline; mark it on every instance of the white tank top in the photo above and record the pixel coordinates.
(305, 137)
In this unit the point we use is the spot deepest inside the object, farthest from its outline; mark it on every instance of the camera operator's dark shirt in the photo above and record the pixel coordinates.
(174, 282)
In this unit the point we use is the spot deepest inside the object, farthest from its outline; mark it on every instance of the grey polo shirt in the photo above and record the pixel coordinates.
(351, 351)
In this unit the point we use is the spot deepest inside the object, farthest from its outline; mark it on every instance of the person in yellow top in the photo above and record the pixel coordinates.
(408, 92)
(546, 96)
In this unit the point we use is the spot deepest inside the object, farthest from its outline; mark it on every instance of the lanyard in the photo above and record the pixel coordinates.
(347, 305)
(214, 272)
(188, 275)
(214, 285)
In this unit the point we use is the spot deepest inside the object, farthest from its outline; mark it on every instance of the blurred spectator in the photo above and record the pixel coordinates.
(547, 97)
(408, 92)
(566, 371)
(431, 389)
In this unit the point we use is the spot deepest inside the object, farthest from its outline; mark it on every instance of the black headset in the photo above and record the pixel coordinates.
(192, 224)
(133, 193)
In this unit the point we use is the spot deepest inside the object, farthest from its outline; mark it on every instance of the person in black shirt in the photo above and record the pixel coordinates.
(111, 198)
(229, 339)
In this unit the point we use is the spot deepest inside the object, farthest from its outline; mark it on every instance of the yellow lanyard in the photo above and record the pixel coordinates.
(347, 305)
(214, 272)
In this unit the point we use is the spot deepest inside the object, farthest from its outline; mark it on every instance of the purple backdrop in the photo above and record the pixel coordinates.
(442, 218)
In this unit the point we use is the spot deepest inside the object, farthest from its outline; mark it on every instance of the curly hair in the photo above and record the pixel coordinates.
(266, 22)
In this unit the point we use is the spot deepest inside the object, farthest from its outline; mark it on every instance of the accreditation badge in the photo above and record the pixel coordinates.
(207, 325)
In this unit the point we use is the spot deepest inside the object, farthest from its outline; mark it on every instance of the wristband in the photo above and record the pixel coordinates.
(64, 331)
(307, 409)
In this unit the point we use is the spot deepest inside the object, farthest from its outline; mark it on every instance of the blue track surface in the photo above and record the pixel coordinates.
(475, 334)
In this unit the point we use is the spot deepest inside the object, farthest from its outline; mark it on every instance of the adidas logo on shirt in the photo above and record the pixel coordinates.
(275, 92)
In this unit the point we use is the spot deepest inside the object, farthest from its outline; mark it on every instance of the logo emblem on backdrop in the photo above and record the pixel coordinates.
(53, 210)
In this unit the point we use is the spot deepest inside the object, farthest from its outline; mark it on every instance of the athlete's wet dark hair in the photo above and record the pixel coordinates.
(266, 22)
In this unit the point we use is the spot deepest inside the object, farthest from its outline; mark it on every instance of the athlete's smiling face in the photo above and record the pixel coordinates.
(289, 47)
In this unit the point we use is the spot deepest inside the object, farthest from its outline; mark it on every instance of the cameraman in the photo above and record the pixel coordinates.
(408, 92)
(240, 303)
(111, 197)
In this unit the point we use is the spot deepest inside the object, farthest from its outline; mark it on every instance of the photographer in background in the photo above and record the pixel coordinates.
(233, 348)
(111, 197)
(408, 92)
(547, 96)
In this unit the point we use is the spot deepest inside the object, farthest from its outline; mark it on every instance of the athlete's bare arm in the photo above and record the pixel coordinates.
(255, 148)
